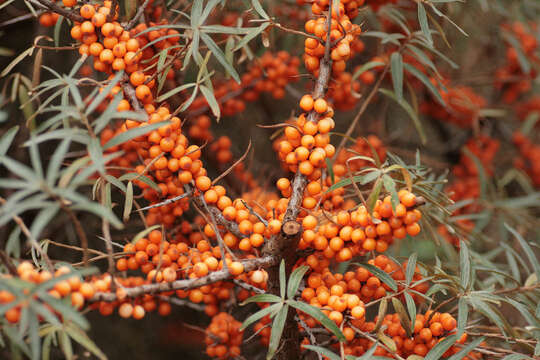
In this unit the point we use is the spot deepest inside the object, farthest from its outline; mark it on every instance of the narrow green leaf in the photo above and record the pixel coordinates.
(218, 53)
(132, 133)
(396, 68)
(270, 298)
(260, 314)
(7, 139)
(282, 279)
(411, 268)
(464, 265)
(323, 351)
(410, 111)
(294, 280)
(467, 349)
(212, 102)
(250, 36)
(463, 312)
(390, 186)
(318, 315)
(374, 195)
(411, 309)
(424, 79)
(424, 26)
(527, 249)
(277, 329)
(128, 204)
(381, 275)
(404, 318)
(257, 6)
(438, 350)
(80, 337)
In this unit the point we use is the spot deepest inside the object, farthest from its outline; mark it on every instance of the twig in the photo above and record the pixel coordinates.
(31, 238)
(166, 202)
(226, 172)
(7, 262)
(180, 302)
(248, 287)
(363, 108)
(19, 19)
(49, 5)
(186, 284)
(137, 16)
(106, 230)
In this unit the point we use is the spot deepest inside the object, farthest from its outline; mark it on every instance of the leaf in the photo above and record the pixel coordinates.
(18, 59)
(424, 79)
(406, 322)
(270, 298)
(257, 6)
(174, 91)
(411, 268)
(424, 26)
(294, 280)
(322, 351)
(467, 349)
(463, 312)
(277, 329)
(368, 355)
(104, 93)
(438, 350)
(318, 315)
(365, 67)
(464, 265)
(260, 314)
(250, 36)
(396, 68)
(516, 357)
(7, 139)
(212, 102)
(411, 308)
(56, 161)
(282, 279)
(96, 154)
(80, 337)
(381, 313)
(381, 275)
(492, 314)
(374, 195)
(143, 233)
(128, 204)
(481, 172)
(390, 186)
(133, 133)
(527, 249)
(412, 114)
(212, 46)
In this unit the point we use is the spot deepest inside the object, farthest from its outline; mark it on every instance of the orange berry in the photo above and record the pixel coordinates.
(320, 106)
(236, 268)
(306, 103)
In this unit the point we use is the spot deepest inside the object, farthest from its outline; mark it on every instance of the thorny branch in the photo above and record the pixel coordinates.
(188, 284)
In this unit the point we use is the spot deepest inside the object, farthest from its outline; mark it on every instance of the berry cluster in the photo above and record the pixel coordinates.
(352, 233)
(342, 34)
(223, 337)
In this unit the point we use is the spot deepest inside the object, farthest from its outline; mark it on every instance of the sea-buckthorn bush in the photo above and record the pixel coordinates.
(279, 179)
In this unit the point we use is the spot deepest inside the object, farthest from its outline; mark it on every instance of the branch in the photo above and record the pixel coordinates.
(51, 6)
(231, 226)
(137, 16)
(187, 284)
